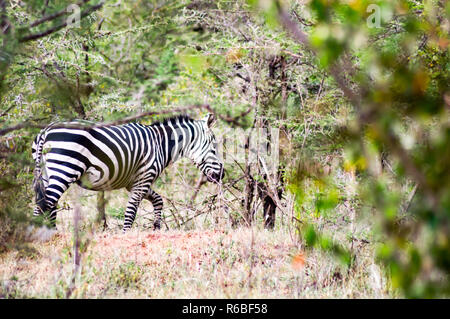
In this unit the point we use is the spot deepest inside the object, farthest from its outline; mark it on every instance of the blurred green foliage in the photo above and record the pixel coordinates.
(399, 134)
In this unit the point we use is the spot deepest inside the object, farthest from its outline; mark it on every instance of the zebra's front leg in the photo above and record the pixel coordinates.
(47, 199)
(135, 198)
(49, 214)
(157, 203)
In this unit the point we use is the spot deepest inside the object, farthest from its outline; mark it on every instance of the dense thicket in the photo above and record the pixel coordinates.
(353, 86)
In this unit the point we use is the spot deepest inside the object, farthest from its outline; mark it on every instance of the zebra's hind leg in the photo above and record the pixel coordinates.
(134, 199)
(157, 203)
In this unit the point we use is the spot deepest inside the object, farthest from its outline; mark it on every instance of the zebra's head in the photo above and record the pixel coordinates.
(204, 150)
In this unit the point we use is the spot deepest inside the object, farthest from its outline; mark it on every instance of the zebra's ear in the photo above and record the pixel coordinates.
(209, 119)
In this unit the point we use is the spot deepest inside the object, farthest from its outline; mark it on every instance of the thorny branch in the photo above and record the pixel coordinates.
(87, 126)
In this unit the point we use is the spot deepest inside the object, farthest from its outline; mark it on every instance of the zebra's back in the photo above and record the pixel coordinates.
(99, 158)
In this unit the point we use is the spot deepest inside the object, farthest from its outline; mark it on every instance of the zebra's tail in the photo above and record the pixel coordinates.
(38, 181)
(39, 189)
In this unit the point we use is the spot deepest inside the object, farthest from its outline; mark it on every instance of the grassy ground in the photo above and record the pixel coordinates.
(202, 257)
(206, 263)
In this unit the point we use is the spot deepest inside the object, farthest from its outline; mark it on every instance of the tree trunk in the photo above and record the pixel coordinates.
(101, 205)
(264, 193)
(249, 186)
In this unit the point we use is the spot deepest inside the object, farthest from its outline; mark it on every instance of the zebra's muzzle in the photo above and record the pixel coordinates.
(215, 177)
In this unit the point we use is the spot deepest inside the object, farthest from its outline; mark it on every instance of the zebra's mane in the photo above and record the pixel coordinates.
(173, 119)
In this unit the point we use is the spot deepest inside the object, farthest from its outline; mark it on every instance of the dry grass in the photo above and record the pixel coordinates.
(239, 263)
(204, 258)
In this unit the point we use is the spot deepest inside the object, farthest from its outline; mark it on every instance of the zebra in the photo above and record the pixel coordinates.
(130, 156)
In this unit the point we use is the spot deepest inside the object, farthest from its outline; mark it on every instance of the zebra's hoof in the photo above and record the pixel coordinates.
(156, 226)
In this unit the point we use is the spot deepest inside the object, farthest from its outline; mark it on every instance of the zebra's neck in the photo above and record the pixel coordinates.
(179, 136)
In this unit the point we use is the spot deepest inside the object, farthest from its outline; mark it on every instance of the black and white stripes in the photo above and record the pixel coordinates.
(113, 157)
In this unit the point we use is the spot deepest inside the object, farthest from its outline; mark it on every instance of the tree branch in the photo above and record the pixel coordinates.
(86, 126)
(54, 15)
(42, 34)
